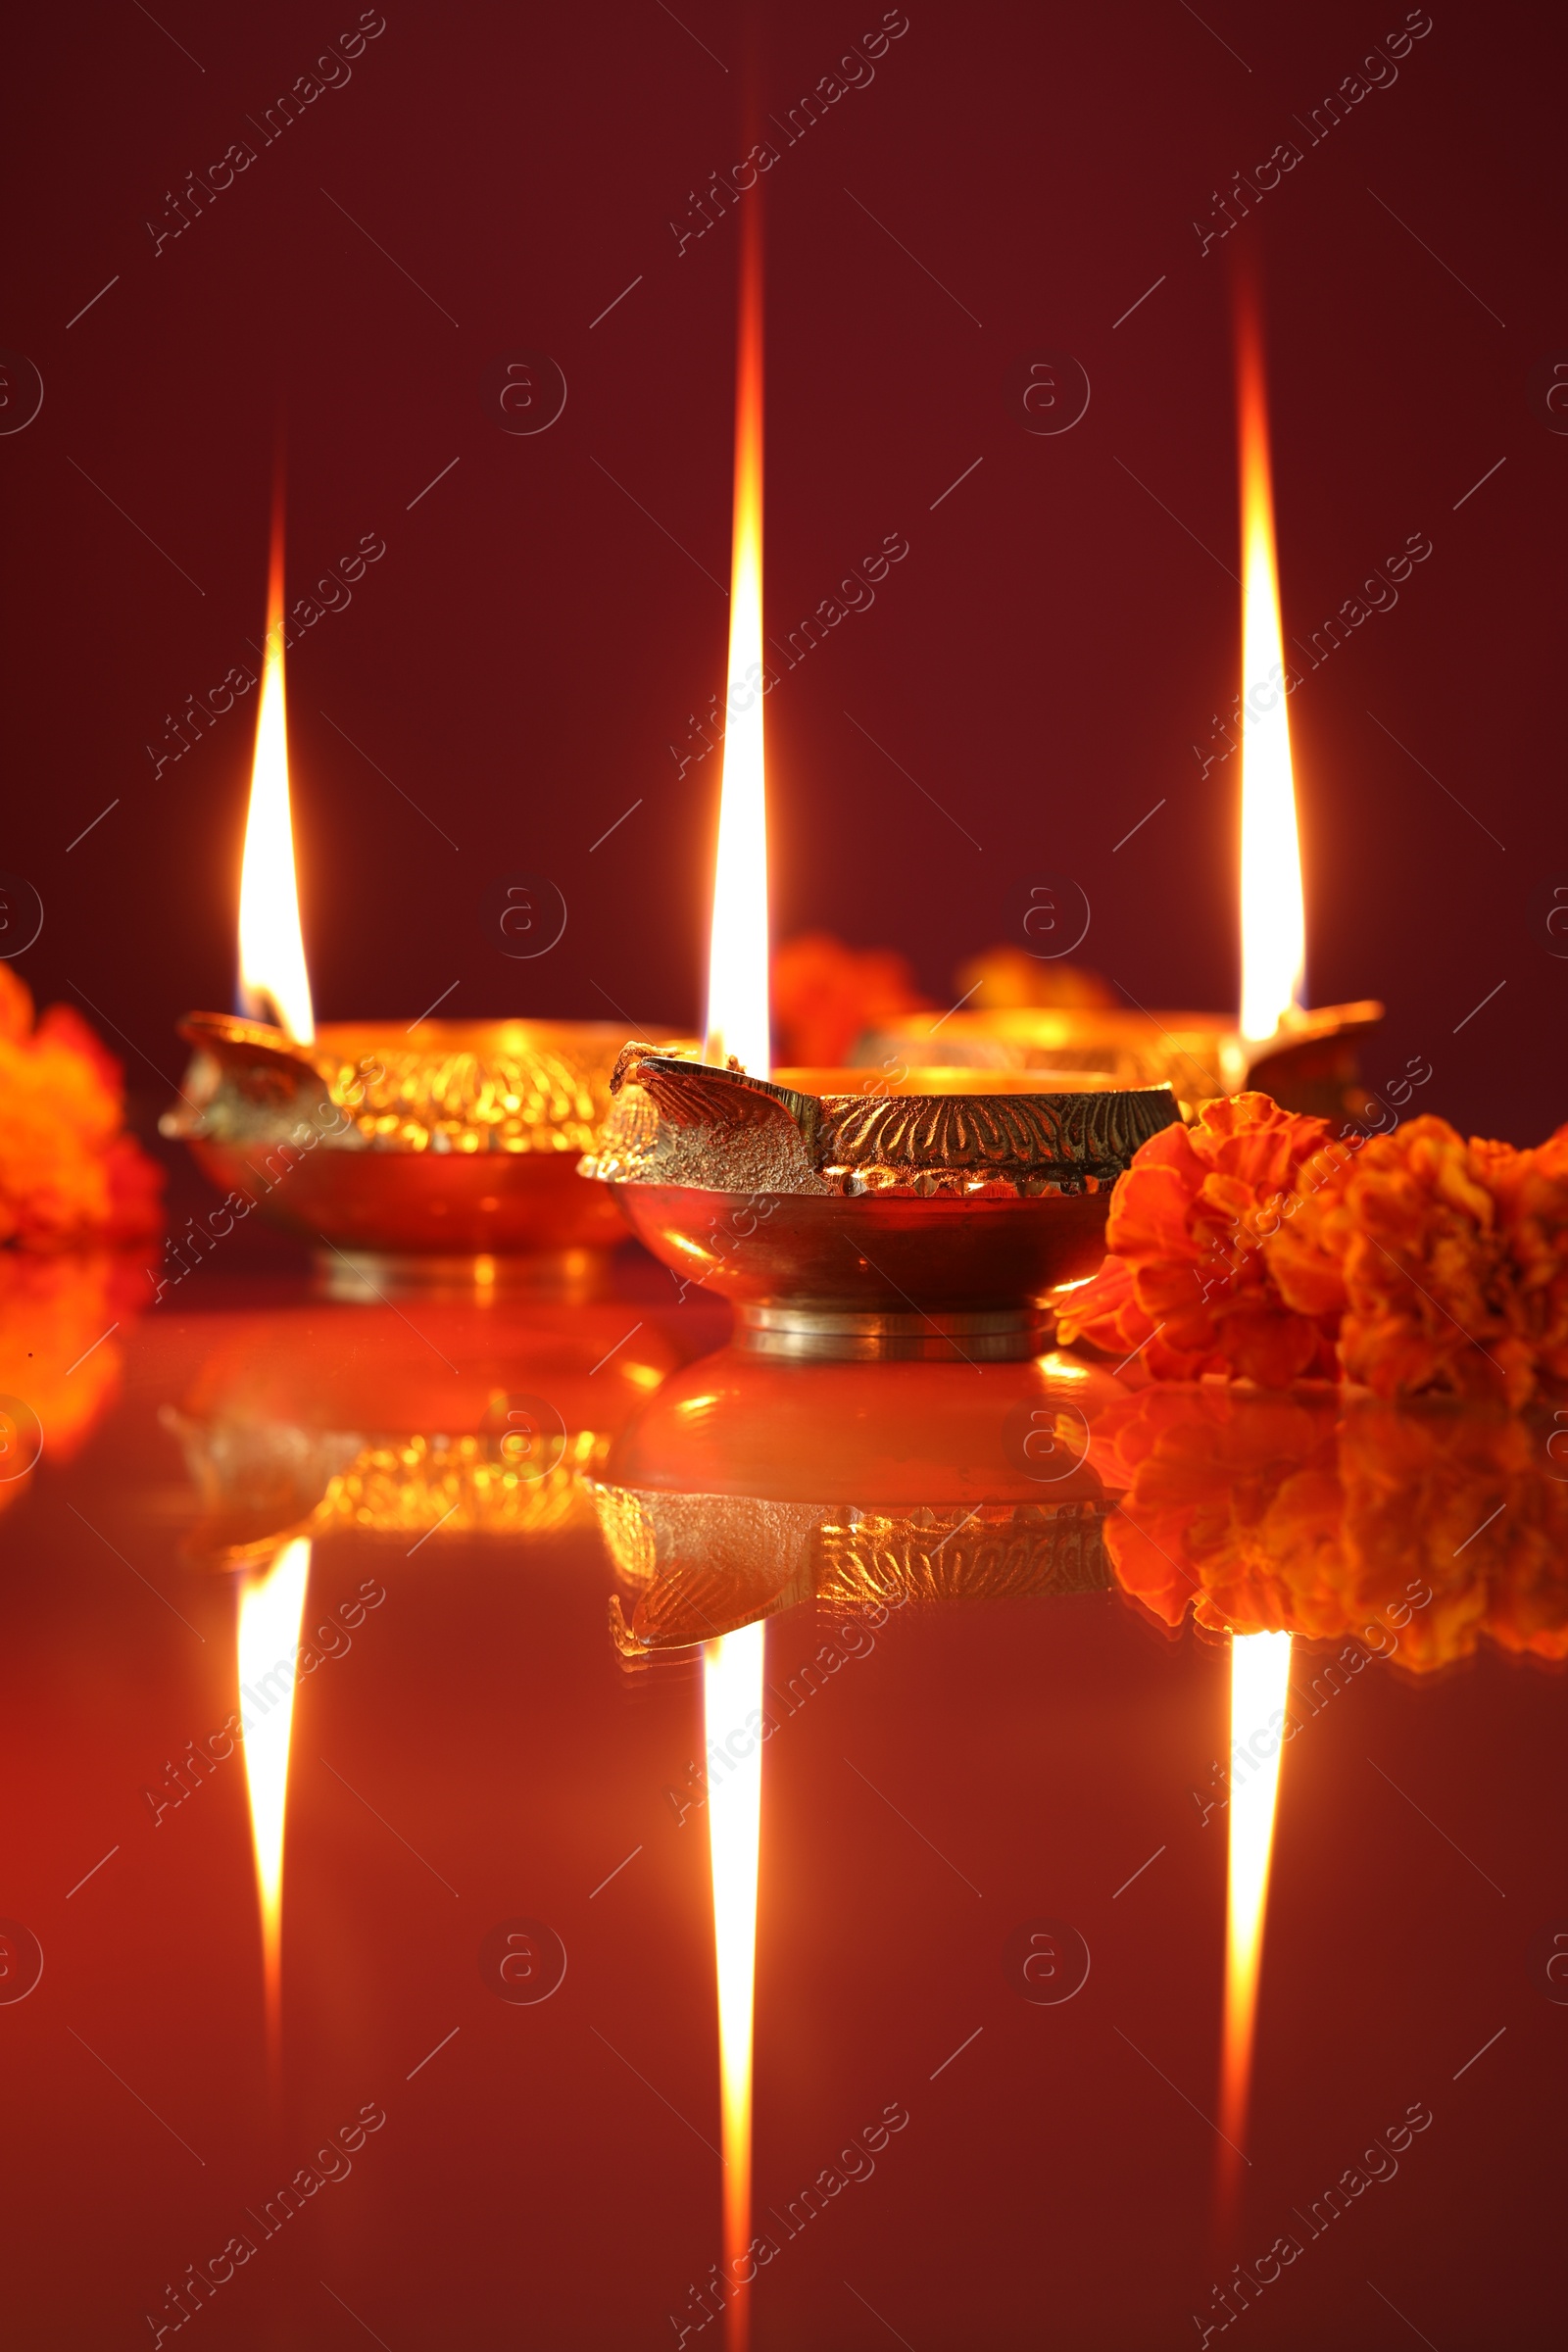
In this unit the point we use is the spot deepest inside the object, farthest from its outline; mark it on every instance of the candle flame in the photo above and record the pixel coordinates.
(737, 963)
(732, 1706)
(273, 982)
(271, 1607)
(1273, 919)
(1260, 1676)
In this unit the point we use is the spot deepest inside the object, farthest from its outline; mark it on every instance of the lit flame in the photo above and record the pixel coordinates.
(274, 983)
(1260, 1677)
(737, 957)
(1273, 920)
(270, 1610)
(732, 1704)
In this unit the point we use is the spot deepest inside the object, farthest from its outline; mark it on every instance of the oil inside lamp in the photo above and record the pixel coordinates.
(273, 982)
(1260, 1675)
(732, 1708)
(271, 1608)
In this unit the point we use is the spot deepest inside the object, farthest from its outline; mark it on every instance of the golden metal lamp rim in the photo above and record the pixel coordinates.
(393, 1076)
(699, 1127)
(439, 1148)
(1198, 1053)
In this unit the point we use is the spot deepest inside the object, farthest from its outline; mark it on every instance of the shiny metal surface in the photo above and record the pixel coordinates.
(919, 1219)
(439, 1139)
(875, 1256)
(421, 1202)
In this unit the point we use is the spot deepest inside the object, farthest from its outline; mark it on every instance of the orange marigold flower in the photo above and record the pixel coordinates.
(68, 1172)
(826, 995)
(1447, 1257)
(1532, 1193)
(1187, 1282)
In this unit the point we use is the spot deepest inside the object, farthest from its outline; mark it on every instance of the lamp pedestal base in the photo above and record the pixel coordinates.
(839, 1335)
(567, 1276)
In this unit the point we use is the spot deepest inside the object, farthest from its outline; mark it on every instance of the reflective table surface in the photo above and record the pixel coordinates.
(412, 1709)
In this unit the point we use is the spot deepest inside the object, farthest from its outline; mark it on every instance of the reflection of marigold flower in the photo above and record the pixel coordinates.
(1459, 1506)
(1188, 1284)
(1448, 1262)
(52, 1310)
(826, 995)
(68, 1170)
(1411, 1531)
(1230, 1503)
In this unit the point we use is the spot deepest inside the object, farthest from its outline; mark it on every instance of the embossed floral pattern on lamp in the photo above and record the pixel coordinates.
(440, 1150)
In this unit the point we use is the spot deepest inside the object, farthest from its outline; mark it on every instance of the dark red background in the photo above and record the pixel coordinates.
(1042, 661)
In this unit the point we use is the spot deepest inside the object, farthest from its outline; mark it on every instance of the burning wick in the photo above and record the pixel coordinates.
(270, 1610)
(1260, 1678)
(274, 983)
(1273, 919)
(732, 1706)
(737, 961)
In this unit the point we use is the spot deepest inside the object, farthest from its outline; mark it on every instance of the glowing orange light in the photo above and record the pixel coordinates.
(271, 1609)
(737, 961)
(274, 983)
(1260, 1677)
(732, 1706)
(1273, 919)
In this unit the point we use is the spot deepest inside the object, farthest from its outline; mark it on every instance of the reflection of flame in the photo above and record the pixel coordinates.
(732, 1695)
(270, 1610)
(1260, 1676)
(274, 984)
(1273, 922)
(737, 962)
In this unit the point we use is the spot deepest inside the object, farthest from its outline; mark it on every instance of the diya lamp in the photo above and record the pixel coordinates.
(1305, 1058)
(842, 1214)
(441, 1152)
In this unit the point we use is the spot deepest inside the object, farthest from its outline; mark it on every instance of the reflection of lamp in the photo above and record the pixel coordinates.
(732, 1700)
(1367, 1536)
(311, 1422)
(271, 1609)
(744, 1488)
(446, 1147)
(1260, 1680)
